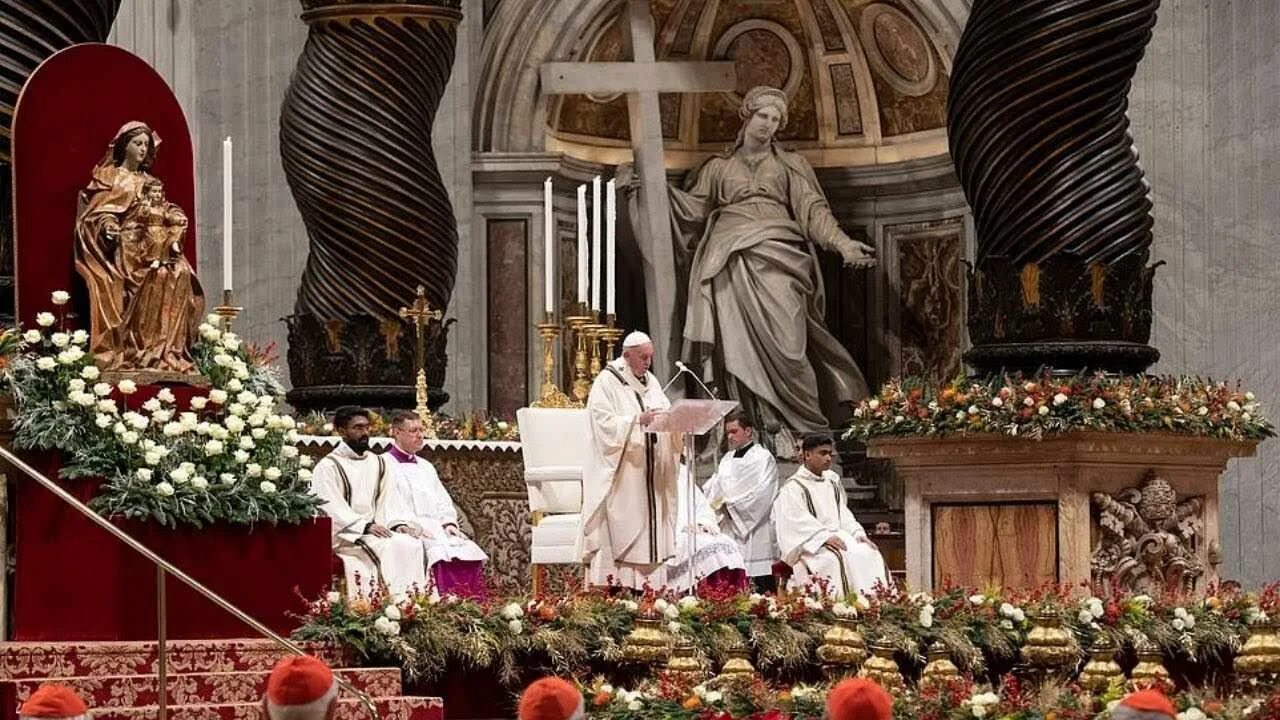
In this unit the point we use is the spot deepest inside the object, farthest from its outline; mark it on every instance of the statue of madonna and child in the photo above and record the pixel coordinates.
(145, 300)
(751, 220)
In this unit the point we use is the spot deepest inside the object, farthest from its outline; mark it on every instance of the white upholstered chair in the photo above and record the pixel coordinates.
(555, 443)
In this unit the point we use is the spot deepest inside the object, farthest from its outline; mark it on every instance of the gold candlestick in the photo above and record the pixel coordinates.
(551, 396)
(581, 358)
(420, 313)
(610, 334)
(227, 311)
(592, 330)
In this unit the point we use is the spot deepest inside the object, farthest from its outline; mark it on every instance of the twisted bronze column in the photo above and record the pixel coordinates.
(1040, 139)
(355, 138)
(31, 31)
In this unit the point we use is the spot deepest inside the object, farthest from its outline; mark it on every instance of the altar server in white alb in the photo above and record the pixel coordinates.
(817, 534)
(454, 563)
(373, 532)
(717, 559)
(742, 491)
(629, 478)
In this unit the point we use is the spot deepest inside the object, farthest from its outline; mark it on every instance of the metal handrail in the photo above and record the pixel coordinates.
(163, 567)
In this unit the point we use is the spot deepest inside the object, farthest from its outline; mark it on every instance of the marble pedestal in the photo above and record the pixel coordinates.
(1000, 510)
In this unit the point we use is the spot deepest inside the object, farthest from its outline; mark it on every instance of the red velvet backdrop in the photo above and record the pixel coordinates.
(66, 116)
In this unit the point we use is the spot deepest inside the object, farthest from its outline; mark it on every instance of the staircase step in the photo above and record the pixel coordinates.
(391, 708)
(26, 660)
(117, 691)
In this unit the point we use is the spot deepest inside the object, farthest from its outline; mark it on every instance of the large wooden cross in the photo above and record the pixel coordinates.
(642, 79)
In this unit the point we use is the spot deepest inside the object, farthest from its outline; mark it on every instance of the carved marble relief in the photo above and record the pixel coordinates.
(1147, 538)
(930, 297)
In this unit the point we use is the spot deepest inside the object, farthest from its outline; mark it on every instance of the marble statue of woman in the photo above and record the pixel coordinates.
(753, 219)
(144, 298)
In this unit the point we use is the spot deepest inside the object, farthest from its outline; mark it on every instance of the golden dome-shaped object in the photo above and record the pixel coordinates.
(882, 668)
(646, 643)
(1261, 652)
(1102, 668)
(1150, 667)
(939, 669)
(842, 650)
(1048, 644)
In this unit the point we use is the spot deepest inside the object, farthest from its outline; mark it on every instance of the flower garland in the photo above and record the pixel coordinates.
(474, 426)
(229, 458)
(583, 634)
(1035, 407)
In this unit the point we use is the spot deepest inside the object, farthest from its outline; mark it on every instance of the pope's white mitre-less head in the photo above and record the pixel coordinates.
(637, 352)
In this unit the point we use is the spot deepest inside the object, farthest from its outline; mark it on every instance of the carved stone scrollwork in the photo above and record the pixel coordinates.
(1147, 538)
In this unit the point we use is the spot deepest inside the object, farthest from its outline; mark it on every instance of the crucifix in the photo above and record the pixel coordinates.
(421, 314)
(642, 79)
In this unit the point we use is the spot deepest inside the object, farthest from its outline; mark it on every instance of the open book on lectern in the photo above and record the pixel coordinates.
(695, 417)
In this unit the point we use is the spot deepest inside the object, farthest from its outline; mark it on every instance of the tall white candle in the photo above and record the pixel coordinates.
(595, 243)
(548, 246)
(582, 244)
(226, 214)
(610, 227)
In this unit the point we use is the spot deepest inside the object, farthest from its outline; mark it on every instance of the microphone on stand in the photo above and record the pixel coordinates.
(685, 369)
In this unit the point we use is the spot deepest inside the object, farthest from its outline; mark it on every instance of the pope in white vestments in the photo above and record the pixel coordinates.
(818, 535)
(629, 478)
(454, 562)
(715, 554)
(743, 490)
(372, 534)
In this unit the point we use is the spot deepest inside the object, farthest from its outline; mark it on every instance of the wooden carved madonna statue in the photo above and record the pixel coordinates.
(144, 298)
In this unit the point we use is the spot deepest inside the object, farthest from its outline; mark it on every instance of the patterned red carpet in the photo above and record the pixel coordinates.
(208, 680)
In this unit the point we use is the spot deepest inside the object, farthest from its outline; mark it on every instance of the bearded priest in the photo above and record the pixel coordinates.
(373, 531)
(454, 562)
(629, 496)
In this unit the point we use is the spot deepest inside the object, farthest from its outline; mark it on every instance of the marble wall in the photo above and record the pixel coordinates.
(229, 63)
(1205, 108)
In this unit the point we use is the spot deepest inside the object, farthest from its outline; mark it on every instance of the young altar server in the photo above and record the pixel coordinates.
(718, 559)
(300, 687)
(52, 700)
(551, 698)
(373, 532)
(454, 562)
(742, 490)
(817, 534)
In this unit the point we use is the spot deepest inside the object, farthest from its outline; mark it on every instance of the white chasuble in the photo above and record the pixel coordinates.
(359, 490)
(809, 511)
(743, 490)
(712, 549)
(432, 511)
(628, 483)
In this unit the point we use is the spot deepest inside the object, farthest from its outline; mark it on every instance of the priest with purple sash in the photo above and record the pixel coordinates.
(454, 562)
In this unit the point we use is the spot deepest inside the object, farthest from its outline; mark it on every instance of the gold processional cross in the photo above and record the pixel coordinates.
(421, 314)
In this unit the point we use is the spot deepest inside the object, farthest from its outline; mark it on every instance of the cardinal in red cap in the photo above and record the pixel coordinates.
(551, 699)
(1144, 705)
(859, 699)
(301, 687)
(54, 701)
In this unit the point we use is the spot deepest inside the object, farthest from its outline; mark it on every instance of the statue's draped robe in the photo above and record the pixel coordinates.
(455, 562)
(809, 511)
(755, 295)
(140, 316)
(713, 551)
(628, 483)
(359, 490)
(743, 489)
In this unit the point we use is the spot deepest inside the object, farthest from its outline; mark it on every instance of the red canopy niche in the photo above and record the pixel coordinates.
(67, 114)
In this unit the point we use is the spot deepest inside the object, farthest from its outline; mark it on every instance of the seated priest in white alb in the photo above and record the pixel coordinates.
(717, 559)
(629, 475)
(455, 563)
(817, 534)
(372, 527)
(742, 492)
